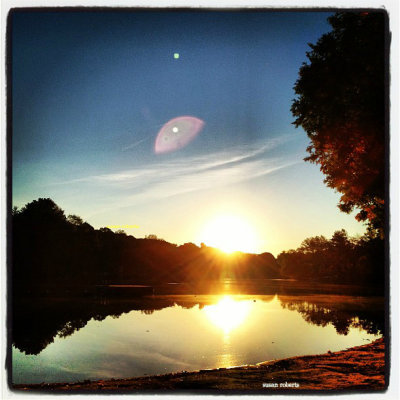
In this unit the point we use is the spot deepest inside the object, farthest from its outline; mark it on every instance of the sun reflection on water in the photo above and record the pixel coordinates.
(228, 314)
(226, 359)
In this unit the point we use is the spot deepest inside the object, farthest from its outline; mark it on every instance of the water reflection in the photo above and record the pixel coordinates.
(70, 339)
(345, 313)
(227, 358)
(67, 340)
(36, 322)
(228, 314)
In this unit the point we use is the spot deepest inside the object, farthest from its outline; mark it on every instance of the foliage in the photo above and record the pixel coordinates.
(74, 220)
(44, 211)
(50, 250)
(152, 236)
(341, 259)
(341, 106)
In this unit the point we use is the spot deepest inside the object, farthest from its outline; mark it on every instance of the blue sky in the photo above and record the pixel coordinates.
(91, 90)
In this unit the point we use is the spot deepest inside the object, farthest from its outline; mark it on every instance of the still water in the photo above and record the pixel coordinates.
(175, 333)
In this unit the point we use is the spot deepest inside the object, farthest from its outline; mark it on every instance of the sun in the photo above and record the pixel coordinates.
(230, 233)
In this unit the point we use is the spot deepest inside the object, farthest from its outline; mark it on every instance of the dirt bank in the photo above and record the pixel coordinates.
(358, 368)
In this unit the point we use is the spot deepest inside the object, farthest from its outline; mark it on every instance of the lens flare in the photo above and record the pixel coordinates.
(177, 133)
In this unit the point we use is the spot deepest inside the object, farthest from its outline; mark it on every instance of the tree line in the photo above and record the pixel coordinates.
(51, 249)
(341, 259)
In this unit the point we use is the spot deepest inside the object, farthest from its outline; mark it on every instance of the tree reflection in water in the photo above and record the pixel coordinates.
(343, 315)
(37, 322)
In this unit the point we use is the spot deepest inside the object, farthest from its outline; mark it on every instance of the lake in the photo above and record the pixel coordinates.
(66, 340)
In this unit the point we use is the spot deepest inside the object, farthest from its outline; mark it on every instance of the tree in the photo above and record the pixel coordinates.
(75, 220)
(314, 244)
(151, 236)
(341, 106)
(42, 210)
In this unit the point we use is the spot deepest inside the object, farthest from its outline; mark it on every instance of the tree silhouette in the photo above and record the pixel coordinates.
(43, 211)
(341, 106)
(53, 255)
(152, 236)
(341, 259)
(75, 220)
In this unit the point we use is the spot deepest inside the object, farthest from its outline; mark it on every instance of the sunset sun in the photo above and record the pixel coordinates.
(230, 233)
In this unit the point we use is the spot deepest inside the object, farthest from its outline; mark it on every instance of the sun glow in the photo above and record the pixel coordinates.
(230, 233)
(228, 314)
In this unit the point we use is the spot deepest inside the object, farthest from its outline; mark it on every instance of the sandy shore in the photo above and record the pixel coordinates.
(357, 368)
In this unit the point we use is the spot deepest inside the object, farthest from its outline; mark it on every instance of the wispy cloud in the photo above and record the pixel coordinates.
(183, 175)
(135, 144)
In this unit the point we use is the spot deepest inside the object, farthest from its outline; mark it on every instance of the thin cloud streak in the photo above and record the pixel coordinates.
(168, 179)
(210, 179)
(135, 144)
(187, 165)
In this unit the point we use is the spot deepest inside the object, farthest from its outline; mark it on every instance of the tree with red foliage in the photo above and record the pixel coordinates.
(341, 106)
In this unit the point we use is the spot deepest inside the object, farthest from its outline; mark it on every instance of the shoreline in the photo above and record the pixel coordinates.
(357, 368)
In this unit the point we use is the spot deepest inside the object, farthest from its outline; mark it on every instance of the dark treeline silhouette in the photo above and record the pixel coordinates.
(54, 252)
(341, 259)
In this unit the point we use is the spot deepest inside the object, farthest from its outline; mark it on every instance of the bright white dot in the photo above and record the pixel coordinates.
(176, 55)
(175, 129)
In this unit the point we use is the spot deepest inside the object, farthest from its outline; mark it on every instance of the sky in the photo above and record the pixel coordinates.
(91, 92)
